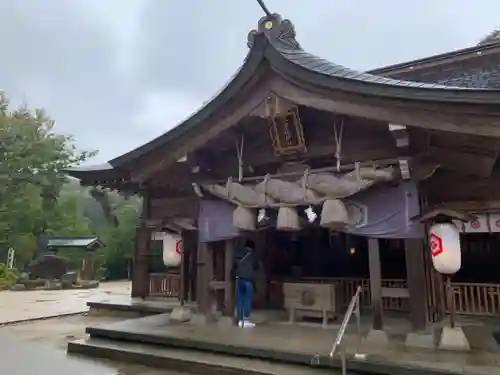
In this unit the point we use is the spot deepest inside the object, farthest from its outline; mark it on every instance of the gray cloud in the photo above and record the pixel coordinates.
(117, 73)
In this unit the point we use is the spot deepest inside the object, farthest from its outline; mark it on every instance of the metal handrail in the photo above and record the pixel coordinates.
(354, 307)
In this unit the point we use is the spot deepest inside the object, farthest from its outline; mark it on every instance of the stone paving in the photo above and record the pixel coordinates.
(39, 304)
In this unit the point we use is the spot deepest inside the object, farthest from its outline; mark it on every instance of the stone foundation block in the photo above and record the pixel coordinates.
(180, 314)
(376, 338)
(454, 339)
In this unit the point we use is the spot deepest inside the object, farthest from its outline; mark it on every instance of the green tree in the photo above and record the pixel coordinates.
(119, 235)
(68, 220)
(32, 157)
(491, 37)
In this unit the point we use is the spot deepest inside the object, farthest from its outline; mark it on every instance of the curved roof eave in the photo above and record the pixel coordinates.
(291, 60)
(219, 100)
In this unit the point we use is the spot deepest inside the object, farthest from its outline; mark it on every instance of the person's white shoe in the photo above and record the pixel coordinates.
(248, 324)
(241, 323)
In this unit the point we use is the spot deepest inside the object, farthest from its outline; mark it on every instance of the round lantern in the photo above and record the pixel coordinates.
(172, 249)
(444, 243)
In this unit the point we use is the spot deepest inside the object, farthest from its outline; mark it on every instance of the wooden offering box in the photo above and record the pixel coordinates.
(310, 300)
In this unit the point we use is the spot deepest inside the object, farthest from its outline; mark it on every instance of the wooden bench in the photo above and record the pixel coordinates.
(310, 300)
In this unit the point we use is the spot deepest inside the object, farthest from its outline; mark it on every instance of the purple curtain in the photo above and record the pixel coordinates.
(215, 221)
(386, 212)
(382, 212)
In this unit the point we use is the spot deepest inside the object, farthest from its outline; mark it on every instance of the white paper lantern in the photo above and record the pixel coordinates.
(244, 218)
(444, 243)
(172, 249)
(288, 219)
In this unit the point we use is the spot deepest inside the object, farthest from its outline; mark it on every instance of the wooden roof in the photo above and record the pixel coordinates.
(275, 52)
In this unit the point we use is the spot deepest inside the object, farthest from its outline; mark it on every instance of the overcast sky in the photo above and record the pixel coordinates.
(116, 73)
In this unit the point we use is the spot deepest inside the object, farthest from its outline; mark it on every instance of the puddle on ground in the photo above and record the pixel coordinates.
(21, 358)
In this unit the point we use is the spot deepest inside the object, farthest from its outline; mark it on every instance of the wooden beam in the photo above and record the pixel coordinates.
(451, 117)
(463, 162)
(360, 149)
(375, 283)
(401, 136)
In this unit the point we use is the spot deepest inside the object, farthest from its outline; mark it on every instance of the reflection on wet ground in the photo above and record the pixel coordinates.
(40, 347)
(35, 304)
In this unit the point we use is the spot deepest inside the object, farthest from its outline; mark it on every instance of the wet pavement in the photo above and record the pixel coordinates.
(22, 358)
(40, 346)
(39, 304)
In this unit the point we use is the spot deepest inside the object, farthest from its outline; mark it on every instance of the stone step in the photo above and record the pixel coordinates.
(188, 361)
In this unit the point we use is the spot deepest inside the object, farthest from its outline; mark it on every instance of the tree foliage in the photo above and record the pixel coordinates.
(491, 37)
(37, 197)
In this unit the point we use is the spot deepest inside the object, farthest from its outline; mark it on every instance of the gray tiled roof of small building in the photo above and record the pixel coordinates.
(71, 241)
(92, 167)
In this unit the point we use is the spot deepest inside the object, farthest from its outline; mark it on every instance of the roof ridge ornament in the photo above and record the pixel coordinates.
(278, 31)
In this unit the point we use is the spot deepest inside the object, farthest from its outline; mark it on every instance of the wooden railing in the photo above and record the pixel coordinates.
(477, 299)
(164, 284)
(347, 287)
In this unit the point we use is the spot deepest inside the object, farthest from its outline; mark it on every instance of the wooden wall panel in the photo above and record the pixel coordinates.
(174, 207)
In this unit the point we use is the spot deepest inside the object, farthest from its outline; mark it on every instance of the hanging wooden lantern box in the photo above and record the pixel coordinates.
(286, 131)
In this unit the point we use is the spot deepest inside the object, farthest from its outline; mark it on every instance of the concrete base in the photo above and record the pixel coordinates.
(180, 314)
(376, 338)
(226, 321)
(423, 339)
(202, 319)
(453, 339)
(137, 299)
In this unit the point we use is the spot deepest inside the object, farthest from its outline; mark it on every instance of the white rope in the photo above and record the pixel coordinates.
(357, 169)
(229, 184)
(239, 154)
(338, 142)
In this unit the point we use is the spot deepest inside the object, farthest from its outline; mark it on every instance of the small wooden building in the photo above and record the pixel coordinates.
(286, 113)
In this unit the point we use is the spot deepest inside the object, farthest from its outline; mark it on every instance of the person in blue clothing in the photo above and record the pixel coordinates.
(245, 267)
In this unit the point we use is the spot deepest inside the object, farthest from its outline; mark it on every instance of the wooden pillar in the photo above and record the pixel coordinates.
(193, 269)
(188, 243)
(204, 276)
(182, 269)
(375, 283)
(415, 278)
(140, 276)
(229, 292)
